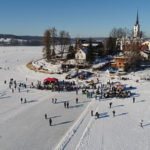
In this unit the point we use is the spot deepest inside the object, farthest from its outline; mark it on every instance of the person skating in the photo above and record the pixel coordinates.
(97, 114)
(91, 112)
(19, 90)
(141, 123)
(95, 97)
(76, 100)
(25, 101)
(45, 116)
(52, 100)
(67, 104)
(133, 99)
(21, 99)
(113, 113)
(110, 104)
(55, 100)
(50, 121)
(77, 91)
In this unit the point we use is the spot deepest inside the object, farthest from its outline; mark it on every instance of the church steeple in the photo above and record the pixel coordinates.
(137, 19)
(137, 27)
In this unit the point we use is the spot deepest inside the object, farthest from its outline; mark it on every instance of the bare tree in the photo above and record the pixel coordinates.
(64, 41)
(134, 55)
(119, 32)
(77, 44)
(47, 45)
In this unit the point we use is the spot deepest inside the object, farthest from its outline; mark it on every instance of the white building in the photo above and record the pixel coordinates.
(145, 55)
(81, 55)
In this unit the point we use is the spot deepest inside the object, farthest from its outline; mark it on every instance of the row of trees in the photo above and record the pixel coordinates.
(51, 39)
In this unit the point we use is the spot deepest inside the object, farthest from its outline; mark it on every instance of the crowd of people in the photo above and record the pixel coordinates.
(14, 85)
(59, 86)
(108, 90)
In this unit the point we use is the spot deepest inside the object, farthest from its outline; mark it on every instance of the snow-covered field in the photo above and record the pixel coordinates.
(23, 126)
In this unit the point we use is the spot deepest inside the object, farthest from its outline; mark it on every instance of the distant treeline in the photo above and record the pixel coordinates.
(5, 36)
(16, 40)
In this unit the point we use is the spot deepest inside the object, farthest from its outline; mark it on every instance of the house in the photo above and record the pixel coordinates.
(145, 54)
(146, 45)
(80, 56)
(120, 61)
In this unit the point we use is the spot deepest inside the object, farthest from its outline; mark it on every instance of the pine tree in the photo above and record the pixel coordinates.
(90, 51)
(64, 41)
(111, 45)
(71, 53)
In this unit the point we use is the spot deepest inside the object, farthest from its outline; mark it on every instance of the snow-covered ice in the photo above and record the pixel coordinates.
(23, 126)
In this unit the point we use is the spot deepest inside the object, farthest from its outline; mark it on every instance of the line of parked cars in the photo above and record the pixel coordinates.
(81, 75)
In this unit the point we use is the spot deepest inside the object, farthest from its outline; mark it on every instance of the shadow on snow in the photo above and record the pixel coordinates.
(62, 123)
(32, 101)
(76, 106)
(140, 101)
(122, 114)
(146, 124)
(5, 97)
(118, 106)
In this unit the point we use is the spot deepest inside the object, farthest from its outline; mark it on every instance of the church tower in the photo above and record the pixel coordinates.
(137, 27)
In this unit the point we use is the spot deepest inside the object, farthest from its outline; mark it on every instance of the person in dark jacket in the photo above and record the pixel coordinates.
(97, 114)
(113, 113)
(25, 101)
(110, 104)
(55, 100)
(91, 112)
(76, 100)
(67, 104)
(52, 100)
(45, 116)
(21, 99)
(50, 121)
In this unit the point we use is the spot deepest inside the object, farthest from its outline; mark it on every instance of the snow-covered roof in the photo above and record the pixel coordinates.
(93, 44)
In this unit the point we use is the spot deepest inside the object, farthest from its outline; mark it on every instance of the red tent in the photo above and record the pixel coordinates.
(50, 80)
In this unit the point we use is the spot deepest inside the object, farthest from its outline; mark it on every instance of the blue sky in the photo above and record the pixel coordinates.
(81, 18)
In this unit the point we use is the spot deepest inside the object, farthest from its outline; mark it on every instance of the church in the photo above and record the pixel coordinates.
(136, 38)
